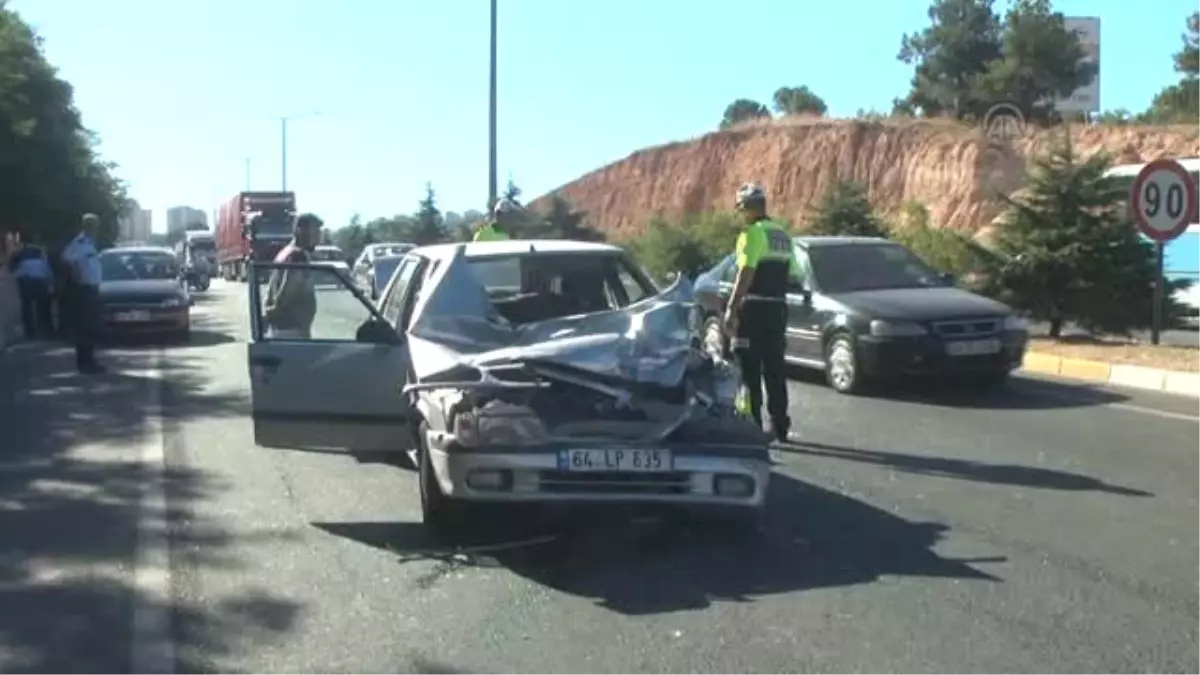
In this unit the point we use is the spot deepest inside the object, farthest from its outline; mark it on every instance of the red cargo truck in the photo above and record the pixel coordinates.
(252, 226)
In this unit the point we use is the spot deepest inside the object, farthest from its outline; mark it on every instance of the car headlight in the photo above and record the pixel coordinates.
(1014, 322)
(881, 328)
(172, 302)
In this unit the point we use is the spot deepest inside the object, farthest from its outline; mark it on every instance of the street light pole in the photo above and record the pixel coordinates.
(492, 189)
(283, 141)
(283, 153)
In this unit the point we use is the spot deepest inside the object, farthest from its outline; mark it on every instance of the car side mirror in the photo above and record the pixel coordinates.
(672, 276)
(375, 331)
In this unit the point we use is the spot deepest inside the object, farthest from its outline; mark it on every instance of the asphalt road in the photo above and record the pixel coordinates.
(1048, 529)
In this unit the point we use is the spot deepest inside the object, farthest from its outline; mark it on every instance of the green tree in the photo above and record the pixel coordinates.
(949, 58)
(428, 226)
(1041, 60)
(560, 220)
(1069, 252)
(743, 110)
(943, 249)
(797, 101)
(689, 245)
(969, 58)
(50, 172)
(512, 192)
(195, 226)
(845, 210)
(1181, 102)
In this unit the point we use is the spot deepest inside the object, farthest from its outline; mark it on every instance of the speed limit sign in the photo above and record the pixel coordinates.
(1163, 200)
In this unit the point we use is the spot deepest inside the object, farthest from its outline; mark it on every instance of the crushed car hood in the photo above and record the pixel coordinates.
(456, 325)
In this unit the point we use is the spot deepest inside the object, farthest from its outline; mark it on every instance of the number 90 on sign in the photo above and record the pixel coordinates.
(1162, 200)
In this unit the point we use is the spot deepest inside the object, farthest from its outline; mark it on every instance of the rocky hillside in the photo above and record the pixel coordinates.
(949, 167)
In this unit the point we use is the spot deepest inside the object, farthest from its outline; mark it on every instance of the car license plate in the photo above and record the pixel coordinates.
(133, 317)
(625, 460)
(973, 347)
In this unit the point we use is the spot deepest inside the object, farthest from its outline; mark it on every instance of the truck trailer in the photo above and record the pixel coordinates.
(252, 226)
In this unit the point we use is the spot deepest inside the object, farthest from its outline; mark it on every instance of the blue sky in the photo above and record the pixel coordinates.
(181, 93)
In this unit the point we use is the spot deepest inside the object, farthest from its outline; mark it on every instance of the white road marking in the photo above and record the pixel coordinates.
(1128, 407)
(1157, 413)
(153, 643)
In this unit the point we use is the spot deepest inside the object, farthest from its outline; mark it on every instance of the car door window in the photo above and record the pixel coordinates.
(414, 294)
(805, 267)
(393, 303)
(729, 271)
(312, 303)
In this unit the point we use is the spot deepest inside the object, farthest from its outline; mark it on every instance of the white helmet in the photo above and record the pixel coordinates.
(505, 205)
(750, 192)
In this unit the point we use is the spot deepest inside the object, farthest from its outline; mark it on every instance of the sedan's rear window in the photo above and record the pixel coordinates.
(539, 286)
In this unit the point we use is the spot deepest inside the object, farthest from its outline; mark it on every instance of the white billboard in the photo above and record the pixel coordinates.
(1085, 99)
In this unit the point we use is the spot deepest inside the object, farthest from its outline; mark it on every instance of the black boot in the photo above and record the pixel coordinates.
(781, 427)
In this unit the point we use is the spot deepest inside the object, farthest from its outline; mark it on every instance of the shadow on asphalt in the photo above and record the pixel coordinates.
(983, 472)
(1020, 393)
(70, 483)
(815, 539)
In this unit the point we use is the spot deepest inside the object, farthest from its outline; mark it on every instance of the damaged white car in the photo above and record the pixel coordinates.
(521, 371)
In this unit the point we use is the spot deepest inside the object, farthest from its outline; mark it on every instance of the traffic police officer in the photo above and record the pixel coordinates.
(83, 267)
(757, 309)
(505, 216)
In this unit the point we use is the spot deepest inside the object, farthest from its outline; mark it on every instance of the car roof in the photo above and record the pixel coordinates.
(328, 247)
(819, 241)
(139, 249)
(479, 249)
(390, 257)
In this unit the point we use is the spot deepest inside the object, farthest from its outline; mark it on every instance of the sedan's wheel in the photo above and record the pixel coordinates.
(841, 366)
(441, 514)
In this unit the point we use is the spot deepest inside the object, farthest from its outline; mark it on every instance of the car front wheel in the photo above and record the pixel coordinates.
(841, 366)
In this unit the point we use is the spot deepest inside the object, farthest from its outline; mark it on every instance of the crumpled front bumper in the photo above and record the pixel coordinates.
(534, 474)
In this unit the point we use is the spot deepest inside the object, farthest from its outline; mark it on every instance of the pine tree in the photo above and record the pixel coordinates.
(845, 211)
(428, 228)
(1070, 252)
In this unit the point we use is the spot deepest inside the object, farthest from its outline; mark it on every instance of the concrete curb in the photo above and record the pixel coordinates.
(1175, 382)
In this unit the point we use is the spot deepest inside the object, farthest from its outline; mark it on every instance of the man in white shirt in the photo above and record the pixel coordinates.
(82, 262)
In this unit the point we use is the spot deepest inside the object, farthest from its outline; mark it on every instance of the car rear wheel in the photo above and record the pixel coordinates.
(441, 514)
(841, 365)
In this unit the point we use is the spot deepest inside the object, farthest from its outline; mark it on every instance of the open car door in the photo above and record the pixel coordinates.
(335, 385)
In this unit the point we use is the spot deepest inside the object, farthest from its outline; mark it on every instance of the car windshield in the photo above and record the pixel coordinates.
(202, 245)
(532, 287)
(328, 254)
(867, 267)
(384, 267)
(133, 265)
(272, 224)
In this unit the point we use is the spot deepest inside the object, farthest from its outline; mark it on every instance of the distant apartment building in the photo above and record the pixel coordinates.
(179, 217)
(134, 225)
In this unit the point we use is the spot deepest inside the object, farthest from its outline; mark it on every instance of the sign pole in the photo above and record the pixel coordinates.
(1156, 318)
(1162, 201)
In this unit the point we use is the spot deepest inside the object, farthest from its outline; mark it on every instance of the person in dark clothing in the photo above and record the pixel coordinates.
(757, 311)
(35, 284)
(81, 260)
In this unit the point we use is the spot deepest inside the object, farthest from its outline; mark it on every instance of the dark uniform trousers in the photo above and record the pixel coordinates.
(84, 310)
(762, 341)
